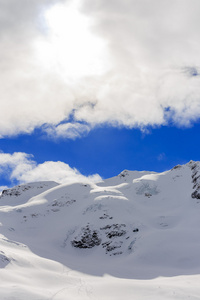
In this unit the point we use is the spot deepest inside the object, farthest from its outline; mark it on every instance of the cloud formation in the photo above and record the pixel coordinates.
(20, 167)
(153, 74)
(67, 130)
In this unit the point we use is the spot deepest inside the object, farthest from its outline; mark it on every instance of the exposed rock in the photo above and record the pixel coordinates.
(4, 260)
(124, 174)
(114, 230)
(195, 179)
(10, 192)
(148, 195)
(105, 216)
(110, 246)
(62, 203)
(195, 195)
(88, 238)
(176, 167)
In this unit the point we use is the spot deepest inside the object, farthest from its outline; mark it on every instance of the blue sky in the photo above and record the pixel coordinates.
(108, 151)
(89, 89)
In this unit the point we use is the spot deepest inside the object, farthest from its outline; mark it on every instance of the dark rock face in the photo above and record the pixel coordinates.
(62, 203)
(114, 230)
(176, 167)
(111, 246)
(11, 192)
(195, 180)
(124, 174)
(196, 194)
(18, 190)
(88, 239)
(113, 233)
(111, 237)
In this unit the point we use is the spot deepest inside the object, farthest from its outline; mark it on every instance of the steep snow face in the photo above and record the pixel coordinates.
(134, 225)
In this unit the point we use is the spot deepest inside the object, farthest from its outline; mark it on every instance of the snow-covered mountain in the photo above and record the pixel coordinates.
(133, 236)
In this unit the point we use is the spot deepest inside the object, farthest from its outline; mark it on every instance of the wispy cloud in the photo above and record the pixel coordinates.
(20, 167)
(149, 53)
(161, 156)
(67, 130)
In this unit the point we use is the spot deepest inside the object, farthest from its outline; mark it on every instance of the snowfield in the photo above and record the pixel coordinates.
(133, 236)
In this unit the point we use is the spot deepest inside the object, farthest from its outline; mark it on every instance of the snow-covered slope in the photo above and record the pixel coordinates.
(133, 235)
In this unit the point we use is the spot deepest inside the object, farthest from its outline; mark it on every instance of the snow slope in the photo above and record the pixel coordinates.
(133, 236)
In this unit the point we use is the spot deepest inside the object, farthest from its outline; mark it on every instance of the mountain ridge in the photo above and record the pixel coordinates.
(136, 225)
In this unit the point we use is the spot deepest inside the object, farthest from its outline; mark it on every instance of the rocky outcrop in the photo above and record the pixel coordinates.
(195, 179)
(87, 238)
(113, 238)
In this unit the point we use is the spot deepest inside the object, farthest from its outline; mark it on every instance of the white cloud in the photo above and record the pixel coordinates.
(9, 162)
(67, 130)
(153, 53)
(21, 168)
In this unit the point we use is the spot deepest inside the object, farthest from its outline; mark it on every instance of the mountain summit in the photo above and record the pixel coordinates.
(137, 225)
